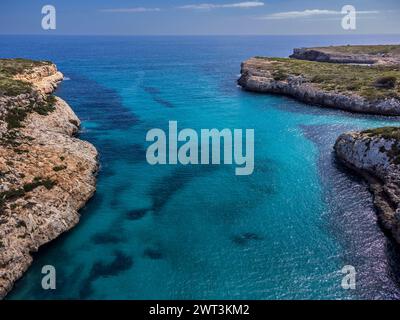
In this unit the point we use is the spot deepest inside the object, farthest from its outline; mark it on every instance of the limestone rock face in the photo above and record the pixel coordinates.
(44, 78)
(330, 54)
(256, 76)
(46, 176)
(376, 158)
(323, 56)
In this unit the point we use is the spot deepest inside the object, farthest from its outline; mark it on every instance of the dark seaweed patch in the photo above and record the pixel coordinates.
(136, 214)
(152, 90)
(245, 238)
(166, 187)
(163, 102)
(116, 195)
(153, 253)
(155, 94)
(113, 149)
(137, 152)
(105, 238)
(120, 263)
(98, 103)
(93, 205)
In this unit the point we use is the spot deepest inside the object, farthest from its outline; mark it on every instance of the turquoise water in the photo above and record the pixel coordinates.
(200, 232)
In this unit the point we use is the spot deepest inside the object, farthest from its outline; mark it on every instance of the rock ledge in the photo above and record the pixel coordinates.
(46, 174)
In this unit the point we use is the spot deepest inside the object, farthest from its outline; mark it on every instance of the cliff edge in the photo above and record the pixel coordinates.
(362, 54)
(355, 88)
(364, 79)
(375, 155)
(46, 174)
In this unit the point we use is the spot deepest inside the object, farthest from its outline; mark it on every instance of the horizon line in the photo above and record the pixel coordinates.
(197, 35)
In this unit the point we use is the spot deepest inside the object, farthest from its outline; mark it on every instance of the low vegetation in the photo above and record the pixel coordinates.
(14, 114)
(389, 133)
(363, 49)
(11, 67)
(385, 132)
(371, 82)
(14, 194)
(59, 168)
(11, 87)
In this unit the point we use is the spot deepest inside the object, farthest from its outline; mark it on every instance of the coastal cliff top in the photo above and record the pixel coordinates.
(25, 88)
(12, 67)
(375, 50)
(358, 54)
(46, 175)
(11, 71)
(370, 82)
(389, 133)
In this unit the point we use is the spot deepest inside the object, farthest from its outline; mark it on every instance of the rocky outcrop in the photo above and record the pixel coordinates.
(46, 174)
(375, 155)
(45, 78)
(310, 76)
(257, 76)
(336, 55)
(320, 55)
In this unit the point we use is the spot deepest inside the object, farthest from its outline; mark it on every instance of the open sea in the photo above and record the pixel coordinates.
(201, 232)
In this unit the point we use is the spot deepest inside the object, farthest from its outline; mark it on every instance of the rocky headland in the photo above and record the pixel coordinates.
(375, 155)
(378, 54)
(363, 79)
(46, 175)
(355, 88)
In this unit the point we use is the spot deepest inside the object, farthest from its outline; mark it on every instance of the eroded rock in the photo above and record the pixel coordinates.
(46, 174)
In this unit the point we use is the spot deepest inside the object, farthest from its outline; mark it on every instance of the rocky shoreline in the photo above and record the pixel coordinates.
(382, 55)
(323, 77)
(46, 174)
(375, 155)
(264, 75)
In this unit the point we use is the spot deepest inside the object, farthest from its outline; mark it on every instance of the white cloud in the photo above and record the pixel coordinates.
(209, 6)
(307, 13)
(131, 10)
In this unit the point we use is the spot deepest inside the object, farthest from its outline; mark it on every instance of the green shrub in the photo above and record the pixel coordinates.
(388, 82)
(14, 194)
(59, 168)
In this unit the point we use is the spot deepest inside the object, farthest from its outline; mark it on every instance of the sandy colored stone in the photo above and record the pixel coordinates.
(256, 76)
(47, 150)
(372, 157)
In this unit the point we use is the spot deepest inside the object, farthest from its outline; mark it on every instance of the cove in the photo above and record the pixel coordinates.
(201, 232)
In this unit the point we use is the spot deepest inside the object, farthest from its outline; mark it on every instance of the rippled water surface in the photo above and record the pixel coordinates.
(175, 232)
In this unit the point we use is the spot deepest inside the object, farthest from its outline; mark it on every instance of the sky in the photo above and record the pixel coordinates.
(198, 17)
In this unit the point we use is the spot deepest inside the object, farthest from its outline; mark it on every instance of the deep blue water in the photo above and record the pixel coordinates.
(175, 232)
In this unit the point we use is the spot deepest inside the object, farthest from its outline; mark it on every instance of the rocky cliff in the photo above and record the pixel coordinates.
(350, 88)
(380, 54)
(375, 155)
(364, 79)
(46, 174)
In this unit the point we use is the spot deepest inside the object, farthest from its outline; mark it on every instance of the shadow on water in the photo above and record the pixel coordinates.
(352, 220)
(390, 248)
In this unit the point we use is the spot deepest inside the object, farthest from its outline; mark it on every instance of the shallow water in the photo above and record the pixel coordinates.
(174, 232)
